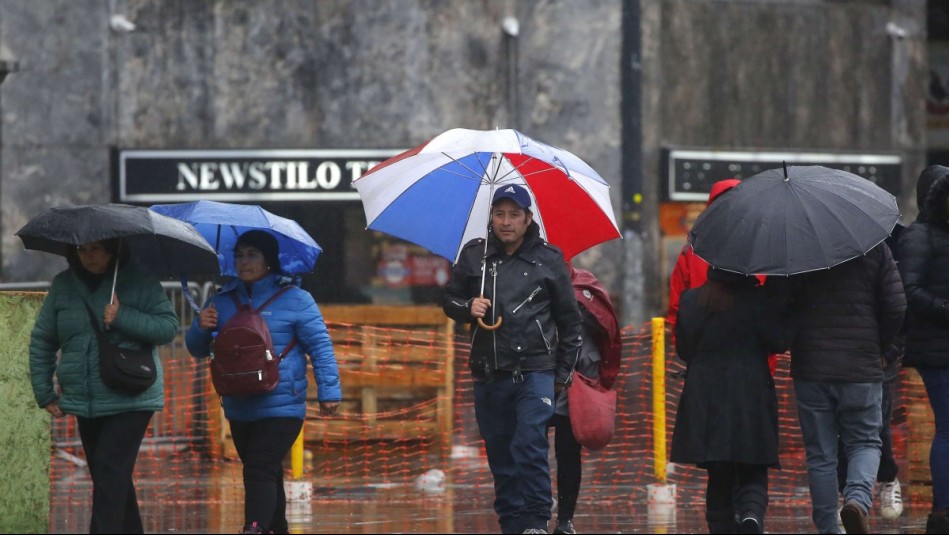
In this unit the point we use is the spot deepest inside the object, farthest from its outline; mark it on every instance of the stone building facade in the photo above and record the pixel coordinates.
(614, 82)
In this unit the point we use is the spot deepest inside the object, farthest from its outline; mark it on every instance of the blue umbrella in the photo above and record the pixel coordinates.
(222, 223)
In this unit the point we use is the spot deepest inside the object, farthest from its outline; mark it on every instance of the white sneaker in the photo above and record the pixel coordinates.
(840, 523)
(891, 500)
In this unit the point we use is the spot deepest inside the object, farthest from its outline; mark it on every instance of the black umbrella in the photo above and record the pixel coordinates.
(162, 244)
(800, 219)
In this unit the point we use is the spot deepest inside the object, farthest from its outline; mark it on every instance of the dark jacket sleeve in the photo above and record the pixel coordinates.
(774, 319)
(569, 323)
(915, 253)
(686, 337)
(891, 299)
(457, 300)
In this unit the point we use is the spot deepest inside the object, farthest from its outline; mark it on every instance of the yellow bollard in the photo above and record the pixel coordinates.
(659, 398)
(661, 496)
(296, 456)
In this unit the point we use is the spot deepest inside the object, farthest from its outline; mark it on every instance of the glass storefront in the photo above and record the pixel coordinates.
(360, 266)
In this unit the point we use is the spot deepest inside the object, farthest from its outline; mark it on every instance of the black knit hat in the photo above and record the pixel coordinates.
(265, 243)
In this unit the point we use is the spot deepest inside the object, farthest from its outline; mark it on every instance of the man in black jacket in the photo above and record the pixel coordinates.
(518, 366)
(845, 317)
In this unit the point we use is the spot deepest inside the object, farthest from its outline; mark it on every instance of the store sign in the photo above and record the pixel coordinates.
(154, 176)
(690, 173)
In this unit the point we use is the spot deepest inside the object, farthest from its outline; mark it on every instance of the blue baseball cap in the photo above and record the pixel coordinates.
(516, 193)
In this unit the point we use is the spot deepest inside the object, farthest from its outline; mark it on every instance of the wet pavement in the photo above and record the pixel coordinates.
(212, 503)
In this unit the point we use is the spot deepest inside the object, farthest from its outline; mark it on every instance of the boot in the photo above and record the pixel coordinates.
(721, 521)
(253, 527)
(938, 521)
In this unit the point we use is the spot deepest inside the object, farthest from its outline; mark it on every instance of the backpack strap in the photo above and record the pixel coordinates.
(237, 303)
(273, 298)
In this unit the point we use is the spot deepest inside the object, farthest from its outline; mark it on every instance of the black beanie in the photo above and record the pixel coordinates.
(265, 243)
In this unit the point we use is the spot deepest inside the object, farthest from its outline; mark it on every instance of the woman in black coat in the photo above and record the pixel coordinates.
(727, 420)
(924, 266)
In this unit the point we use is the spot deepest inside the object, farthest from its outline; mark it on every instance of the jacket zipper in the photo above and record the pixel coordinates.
(494, 295)
(528, 300)
(259, 373)
(546, 343)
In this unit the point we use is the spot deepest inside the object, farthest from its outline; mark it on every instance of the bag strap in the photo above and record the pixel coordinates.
(92, 318)
(273, 298)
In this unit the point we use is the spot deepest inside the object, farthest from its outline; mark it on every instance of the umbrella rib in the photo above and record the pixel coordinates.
(479, 176)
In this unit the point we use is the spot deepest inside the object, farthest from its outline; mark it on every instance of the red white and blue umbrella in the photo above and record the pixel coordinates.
(438, 195)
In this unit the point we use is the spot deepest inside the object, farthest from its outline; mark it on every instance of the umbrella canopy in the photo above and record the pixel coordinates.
(794, 221)
(438, 195)
(164, 245)
(222, 223)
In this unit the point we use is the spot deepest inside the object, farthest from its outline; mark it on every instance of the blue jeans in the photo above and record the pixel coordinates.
(937, 388)
(852, 412)
(512, 418)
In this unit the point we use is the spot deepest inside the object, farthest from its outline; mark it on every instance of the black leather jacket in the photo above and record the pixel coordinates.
(531, 290)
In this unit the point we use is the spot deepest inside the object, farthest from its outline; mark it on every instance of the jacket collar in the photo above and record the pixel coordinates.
(262, 287)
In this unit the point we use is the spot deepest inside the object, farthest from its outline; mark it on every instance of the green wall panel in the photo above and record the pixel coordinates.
(24, 434)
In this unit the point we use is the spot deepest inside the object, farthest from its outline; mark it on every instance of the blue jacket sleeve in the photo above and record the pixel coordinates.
(311, 331)
(197, 339)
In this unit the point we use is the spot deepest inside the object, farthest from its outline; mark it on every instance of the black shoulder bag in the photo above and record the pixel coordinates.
(124, 370)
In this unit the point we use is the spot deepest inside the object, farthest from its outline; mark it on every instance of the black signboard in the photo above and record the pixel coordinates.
(159, 176)
(690, 173)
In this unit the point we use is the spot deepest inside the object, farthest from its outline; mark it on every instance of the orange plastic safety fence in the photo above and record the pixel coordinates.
(407, 411)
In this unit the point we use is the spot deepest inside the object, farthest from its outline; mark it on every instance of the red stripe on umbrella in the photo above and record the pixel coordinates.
(573, 221)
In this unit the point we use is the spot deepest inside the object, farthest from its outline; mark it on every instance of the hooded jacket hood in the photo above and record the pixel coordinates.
(932, 188)
(721, 187)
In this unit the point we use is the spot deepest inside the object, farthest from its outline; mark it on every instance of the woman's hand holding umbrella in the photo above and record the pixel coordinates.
(207, 318)
(111, 310)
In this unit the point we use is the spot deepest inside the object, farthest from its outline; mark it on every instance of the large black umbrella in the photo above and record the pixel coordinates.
(793, 220)
(162, 244)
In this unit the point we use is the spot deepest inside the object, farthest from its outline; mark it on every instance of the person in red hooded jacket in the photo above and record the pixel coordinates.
(599, 360)
(691, 271)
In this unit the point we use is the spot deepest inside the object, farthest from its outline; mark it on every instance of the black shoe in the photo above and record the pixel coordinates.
(854, 518)
(253, 527)
(565, 526)
(938, 521)
(749, 524)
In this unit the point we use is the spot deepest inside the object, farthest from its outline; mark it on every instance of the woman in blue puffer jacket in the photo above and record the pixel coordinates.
(264, 426)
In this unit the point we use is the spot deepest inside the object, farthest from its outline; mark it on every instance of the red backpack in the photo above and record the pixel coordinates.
(242, 354)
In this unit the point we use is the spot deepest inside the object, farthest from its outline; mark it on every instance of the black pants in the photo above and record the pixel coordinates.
(735, 489)
(111, 446)
(569, 472)
(262, 446)
(887, 471)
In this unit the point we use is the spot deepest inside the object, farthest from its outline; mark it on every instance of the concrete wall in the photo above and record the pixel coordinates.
(286, 74)
(24, 435)
(794, 74)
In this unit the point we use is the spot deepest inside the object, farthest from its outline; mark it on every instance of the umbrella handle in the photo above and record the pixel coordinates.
(487, 327)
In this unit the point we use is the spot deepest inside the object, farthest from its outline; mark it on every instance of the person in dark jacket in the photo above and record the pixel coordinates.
(264, 426)
(891, 496)
(111, 424)
(518, 367)
(924, 265)
(844, 318)
(727, 418)
(601, 350)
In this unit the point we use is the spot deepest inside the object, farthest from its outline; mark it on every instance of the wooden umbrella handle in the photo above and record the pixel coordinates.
(487, 327)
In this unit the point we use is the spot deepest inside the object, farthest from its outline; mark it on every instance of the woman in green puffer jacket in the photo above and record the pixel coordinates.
(111, 424)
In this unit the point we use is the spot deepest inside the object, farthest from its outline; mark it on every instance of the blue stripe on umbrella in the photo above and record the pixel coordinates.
(450, 192)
